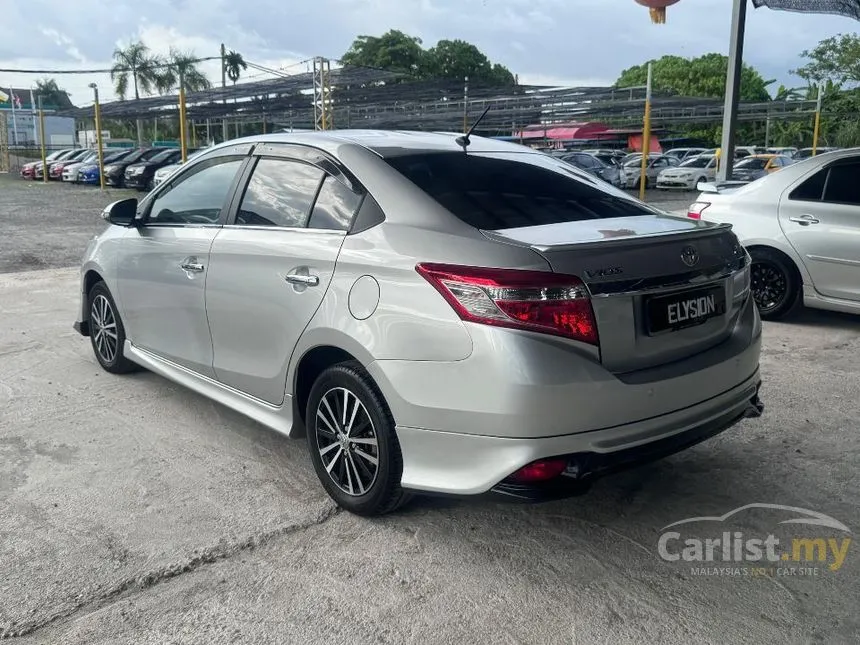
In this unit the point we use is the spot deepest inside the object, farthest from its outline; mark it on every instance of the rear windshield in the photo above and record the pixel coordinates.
(752, 164)
(511, 190)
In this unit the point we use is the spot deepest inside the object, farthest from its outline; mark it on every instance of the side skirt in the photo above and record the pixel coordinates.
(279, 419)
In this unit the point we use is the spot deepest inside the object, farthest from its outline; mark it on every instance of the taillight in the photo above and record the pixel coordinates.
(540, 471)
(548, 303)
(696, 209)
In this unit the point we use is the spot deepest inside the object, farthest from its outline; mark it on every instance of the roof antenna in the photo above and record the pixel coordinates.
(464, 140)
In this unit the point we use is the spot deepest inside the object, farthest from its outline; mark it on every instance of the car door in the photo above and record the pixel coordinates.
(821, 219)
(165, 261)
(271, 264)
(656, 167)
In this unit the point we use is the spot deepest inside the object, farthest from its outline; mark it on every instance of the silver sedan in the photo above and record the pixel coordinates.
(434, 314)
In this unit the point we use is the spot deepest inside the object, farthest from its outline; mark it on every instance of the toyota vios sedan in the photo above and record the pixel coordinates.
(433, 314)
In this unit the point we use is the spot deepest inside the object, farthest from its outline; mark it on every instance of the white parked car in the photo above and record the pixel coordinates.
(802, 228)
(689, 174)
(682, 154)
(163, 173)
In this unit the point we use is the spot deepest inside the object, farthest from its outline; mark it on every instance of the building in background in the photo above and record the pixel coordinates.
(19, 106)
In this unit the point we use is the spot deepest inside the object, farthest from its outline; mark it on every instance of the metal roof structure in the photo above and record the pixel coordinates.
(849, 8)
(370, 98)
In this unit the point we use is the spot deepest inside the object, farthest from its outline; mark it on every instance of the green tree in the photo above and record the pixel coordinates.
(449, 59)
(181, 64)
(393, 50)
(836, 59)
(703, 77)
(457, 59)
(234, 64)
(136, 62)
(51, 93)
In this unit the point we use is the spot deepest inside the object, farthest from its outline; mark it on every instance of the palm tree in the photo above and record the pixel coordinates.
(234, 63)
(183, 64)
(134, 60)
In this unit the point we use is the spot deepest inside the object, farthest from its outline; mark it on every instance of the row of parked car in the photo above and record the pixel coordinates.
(681, 168)
(140, 168)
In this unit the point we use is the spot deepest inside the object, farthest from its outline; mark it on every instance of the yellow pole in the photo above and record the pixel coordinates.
(646, 138)
(99, 137)
(817, 122)
(42, 142)
(182, 117)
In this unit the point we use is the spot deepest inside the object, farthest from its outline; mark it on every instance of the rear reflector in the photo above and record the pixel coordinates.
(540, 471)
(548, 303)
(696, 209)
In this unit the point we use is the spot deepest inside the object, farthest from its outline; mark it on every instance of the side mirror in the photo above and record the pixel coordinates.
(121, 213)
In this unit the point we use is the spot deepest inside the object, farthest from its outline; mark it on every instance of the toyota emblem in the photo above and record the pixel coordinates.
(690, 256)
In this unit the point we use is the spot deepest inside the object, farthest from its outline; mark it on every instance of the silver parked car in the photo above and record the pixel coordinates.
(656, 165)
(433, 313)
(801, 226)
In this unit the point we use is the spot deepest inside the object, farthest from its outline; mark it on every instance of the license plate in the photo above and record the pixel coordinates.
(685, 309)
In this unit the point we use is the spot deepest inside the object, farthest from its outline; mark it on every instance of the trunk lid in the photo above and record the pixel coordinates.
(663, 288)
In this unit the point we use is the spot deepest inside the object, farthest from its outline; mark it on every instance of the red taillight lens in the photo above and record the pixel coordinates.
(549, 303)
(540, 471)
(696, 209)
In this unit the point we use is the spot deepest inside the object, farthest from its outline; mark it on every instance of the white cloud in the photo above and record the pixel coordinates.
(587, 41)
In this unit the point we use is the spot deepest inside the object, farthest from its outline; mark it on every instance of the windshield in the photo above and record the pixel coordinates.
(116, 156)
(511, 190)
(163, 156)
(752, 164)
(697, 162)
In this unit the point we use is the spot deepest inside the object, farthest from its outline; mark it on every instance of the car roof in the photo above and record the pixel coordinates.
(386, 143)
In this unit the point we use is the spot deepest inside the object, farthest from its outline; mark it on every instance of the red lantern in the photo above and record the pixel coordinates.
(658, 8)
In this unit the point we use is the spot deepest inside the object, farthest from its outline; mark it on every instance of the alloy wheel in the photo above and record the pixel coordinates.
(769, 285)
(104, 332)
(347, 441)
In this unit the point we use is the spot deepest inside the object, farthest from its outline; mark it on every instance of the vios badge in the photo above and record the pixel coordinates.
(690, 256)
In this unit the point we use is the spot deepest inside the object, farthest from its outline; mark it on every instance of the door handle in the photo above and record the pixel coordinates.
(804, 220)
(194, 267)
(306, 280)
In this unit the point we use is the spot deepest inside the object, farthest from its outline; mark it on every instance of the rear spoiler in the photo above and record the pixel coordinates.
(715, 187)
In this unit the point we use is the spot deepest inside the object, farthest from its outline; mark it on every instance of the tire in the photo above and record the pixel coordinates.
(104, 318)
(375, 488)
(700, 180)
(775, 283)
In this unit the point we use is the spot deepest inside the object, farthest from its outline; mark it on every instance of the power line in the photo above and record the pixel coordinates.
(112, 70)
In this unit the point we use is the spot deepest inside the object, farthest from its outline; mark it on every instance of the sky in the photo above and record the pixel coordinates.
(558, 42)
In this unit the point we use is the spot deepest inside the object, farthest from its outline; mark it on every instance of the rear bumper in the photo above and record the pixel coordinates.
(585, 467)
(462, 464)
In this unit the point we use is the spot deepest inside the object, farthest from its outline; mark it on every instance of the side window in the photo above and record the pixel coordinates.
(198, 196)
(280, 193)
(335, 206)
(843, 186)
(812, 188)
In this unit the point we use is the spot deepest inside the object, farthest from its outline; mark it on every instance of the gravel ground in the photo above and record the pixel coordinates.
(45, 226)
(135, 512)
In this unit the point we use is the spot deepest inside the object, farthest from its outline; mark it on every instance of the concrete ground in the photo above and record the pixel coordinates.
(135, 512)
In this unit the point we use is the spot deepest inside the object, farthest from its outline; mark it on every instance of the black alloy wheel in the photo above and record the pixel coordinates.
(775, 283)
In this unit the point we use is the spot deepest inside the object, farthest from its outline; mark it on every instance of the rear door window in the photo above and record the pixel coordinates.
(280, 194)
(511, 190)
(843, 186)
